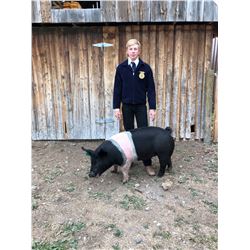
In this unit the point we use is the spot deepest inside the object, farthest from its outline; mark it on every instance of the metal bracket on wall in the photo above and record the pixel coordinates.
(104, 121)
(102, 45)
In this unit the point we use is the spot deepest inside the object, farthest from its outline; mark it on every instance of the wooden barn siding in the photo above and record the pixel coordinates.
(70, 89)
(129, 11)
(73, 81)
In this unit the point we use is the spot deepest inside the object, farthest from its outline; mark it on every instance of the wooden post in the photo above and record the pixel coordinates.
(46, 6)
(208, 106)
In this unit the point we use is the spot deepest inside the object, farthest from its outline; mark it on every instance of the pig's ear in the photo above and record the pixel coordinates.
(102, 153)
(89, 152)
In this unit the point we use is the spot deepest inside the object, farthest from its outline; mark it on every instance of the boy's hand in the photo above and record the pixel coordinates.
(152, 113)
(117, 114)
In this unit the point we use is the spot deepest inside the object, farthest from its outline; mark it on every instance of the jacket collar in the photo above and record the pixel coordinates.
(136, 61)
(125, 63)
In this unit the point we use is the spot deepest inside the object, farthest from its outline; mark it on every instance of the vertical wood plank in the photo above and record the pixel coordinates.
(135, 29)
(121, 11)
(144, 42)
(161, 62)
(184, 81)
(74, 48)
(215, 123)
(85, 102)
(199, 87)
(169, 48)
(189, 61)
(152, 57)
(108, 13)
(46, 11)
(65, 66)
(110, 35)
(61, 51)
(47, 84)
(144, 10)
(192, 11)
(96, 83)
(128, 34)
(53, 75)
(36, 107)
(180, 11)
(133, 10)
(177, 81)
(208, 40)
(200, 8)
(193, 72)
(36, 12)
(56, 75)
(209, 82)
(158, 11)
(171, 10)
(122, 44)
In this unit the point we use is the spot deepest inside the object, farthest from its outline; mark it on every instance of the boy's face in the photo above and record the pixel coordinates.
(133, 52)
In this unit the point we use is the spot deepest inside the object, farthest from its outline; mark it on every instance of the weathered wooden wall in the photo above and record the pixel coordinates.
(129, 11)
(73, 81)
(71, 94)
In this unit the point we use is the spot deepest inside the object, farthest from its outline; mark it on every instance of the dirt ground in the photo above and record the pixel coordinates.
(72, 211)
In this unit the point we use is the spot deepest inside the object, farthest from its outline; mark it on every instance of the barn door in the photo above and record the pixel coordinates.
(107, 49)
(72, 83)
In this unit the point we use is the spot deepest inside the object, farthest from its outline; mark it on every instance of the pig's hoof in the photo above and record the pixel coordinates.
(114, 169)
(124, 181)
(170, 170)
(160, 174)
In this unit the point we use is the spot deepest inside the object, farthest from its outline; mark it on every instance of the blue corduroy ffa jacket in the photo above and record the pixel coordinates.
(134, 89)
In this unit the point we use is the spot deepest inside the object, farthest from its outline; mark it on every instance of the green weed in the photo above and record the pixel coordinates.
(72, 228)
(196, 178)
(163, 234)
(157, 246)
(179, 221)
(189, 158)
(212, 166)
(116, 231)
(183, 179)
(213, 207)
(70, 188)
(51, 176)
(56, 245)
(116, 246)
(68, 240)
(34, 204)
(132, 202)
(194, 192)
(99, 195)
(209, 241)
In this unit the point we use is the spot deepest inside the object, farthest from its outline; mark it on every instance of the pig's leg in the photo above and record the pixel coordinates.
(163, 163)
(114, 169)
(125, 169)
(170, 167)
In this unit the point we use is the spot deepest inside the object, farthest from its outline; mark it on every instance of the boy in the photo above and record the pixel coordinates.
(134, 84)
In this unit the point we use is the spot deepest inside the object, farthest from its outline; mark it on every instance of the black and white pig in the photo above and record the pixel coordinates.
(138, 144)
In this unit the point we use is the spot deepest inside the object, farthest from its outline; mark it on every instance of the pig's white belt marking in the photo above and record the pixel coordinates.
(123, 141)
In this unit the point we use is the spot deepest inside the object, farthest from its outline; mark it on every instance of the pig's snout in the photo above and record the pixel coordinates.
(92, 174)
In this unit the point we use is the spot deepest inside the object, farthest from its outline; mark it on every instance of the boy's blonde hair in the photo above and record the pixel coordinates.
(131, 42)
